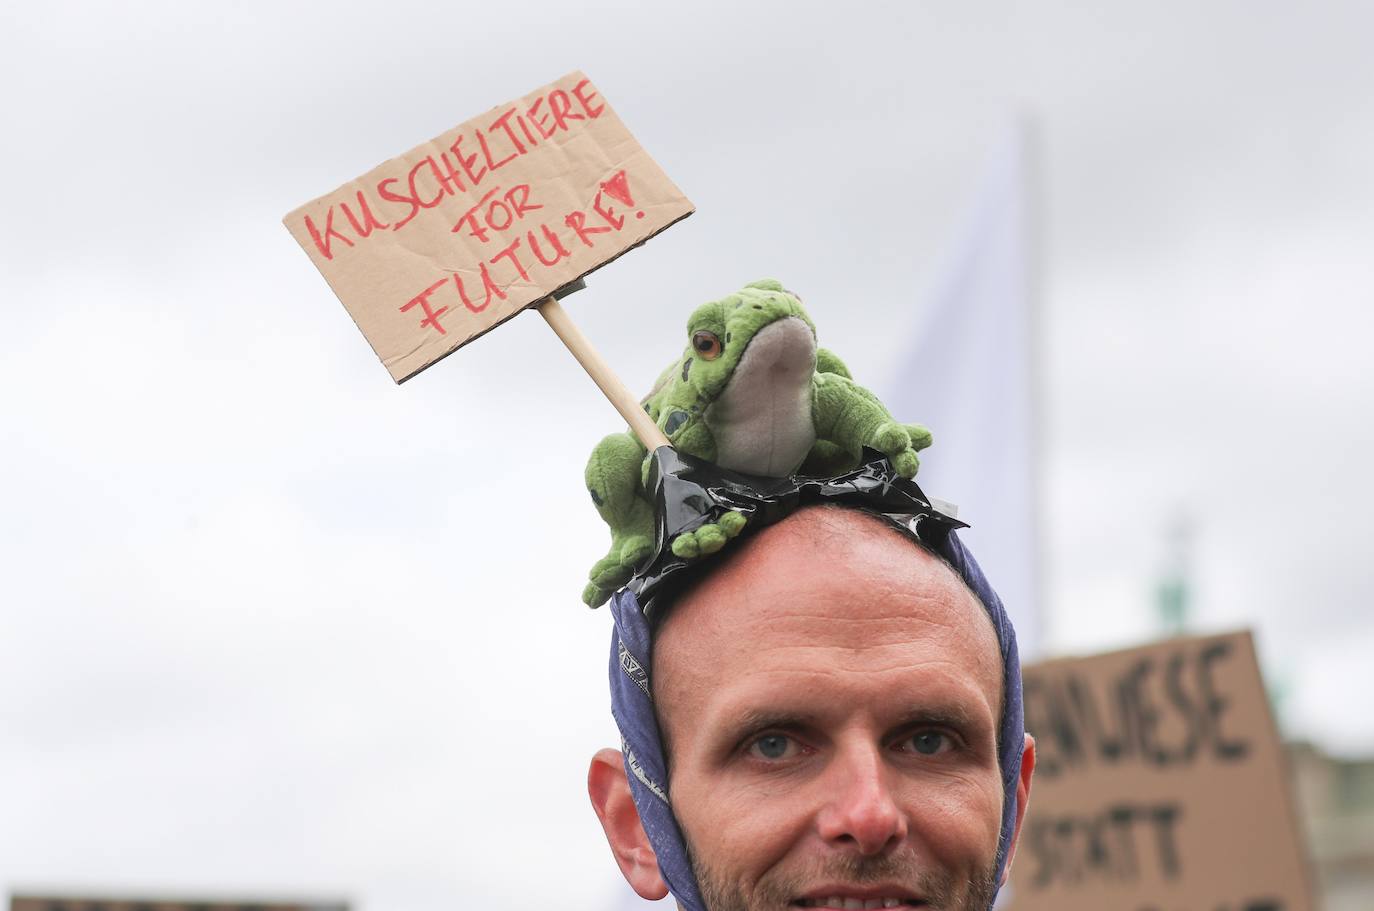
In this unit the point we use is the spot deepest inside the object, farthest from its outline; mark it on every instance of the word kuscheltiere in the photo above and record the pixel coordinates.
(446, 176)
(517, 130)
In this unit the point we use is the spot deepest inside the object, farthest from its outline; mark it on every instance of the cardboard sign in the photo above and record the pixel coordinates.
(456, 236)
(1159, 785)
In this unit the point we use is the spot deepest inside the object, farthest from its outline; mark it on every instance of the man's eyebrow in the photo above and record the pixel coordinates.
(749, 721)
(954, 716)
(753, 720)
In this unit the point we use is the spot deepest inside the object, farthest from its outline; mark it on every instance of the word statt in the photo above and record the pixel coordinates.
(1159, 785)
(437, 246)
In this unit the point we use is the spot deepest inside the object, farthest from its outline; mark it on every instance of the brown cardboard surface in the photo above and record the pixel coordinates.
(445, 242)
(1160, 785)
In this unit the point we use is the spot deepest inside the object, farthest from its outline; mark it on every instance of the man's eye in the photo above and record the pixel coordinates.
(773, 746)
(928, 743)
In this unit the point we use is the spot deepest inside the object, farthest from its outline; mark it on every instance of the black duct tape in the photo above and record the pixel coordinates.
(691, 492)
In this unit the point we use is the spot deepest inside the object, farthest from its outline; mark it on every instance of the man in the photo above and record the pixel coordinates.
(837, 727)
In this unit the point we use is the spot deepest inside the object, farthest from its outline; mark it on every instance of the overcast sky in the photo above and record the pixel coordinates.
(269, 623)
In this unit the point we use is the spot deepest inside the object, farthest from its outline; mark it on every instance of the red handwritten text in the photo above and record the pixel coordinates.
(523, 255)
(431, 315)
(472, 157)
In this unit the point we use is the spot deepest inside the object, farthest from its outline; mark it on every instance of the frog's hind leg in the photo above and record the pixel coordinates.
(613, 482)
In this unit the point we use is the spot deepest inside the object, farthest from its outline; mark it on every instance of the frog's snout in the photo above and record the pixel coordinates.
(786, 349)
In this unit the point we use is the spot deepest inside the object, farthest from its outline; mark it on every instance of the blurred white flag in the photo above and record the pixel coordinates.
(969, 378)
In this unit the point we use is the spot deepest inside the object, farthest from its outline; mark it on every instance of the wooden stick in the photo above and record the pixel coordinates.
(601, 374)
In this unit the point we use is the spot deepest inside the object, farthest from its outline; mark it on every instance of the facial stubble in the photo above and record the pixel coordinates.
(776, 890)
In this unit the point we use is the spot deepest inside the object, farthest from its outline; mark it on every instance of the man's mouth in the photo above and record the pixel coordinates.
(853, 903)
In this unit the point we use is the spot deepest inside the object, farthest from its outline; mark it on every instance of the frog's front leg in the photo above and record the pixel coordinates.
(852, 417)
(709, 538)
(613, 482)
(893, 441)
(920, 436)
(690, 435)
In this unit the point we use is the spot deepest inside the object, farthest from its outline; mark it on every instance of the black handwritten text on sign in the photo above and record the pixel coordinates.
(1158, 785)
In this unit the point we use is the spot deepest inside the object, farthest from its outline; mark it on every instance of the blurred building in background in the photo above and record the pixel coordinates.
(1336, 802)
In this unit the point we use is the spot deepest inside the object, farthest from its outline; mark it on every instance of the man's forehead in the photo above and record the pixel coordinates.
(828, 576)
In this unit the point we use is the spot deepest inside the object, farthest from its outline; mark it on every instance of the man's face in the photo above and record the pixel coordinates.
(830, 701)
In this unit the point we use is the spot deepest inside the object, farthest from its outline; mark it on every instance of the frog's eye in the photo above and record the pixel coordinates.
(706, 344)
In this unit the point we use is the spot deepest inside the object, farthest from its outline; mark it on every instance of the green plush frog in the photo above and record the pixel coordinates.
(751, 393)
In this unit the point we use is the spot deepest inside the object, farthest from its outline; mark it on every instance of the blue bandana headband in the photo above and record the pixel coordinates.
(690, 492)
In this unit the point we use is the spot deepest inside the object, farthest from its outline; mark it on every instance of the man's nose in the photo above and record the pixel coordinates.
(861, 810)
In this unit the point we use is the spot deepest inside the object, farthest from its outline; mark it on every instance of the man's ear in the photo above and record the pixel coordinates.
(1023, 787)
(615, 807)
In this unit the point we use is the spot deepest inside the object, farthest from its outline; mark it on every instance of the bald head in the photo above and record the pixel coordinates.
(850, 561)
